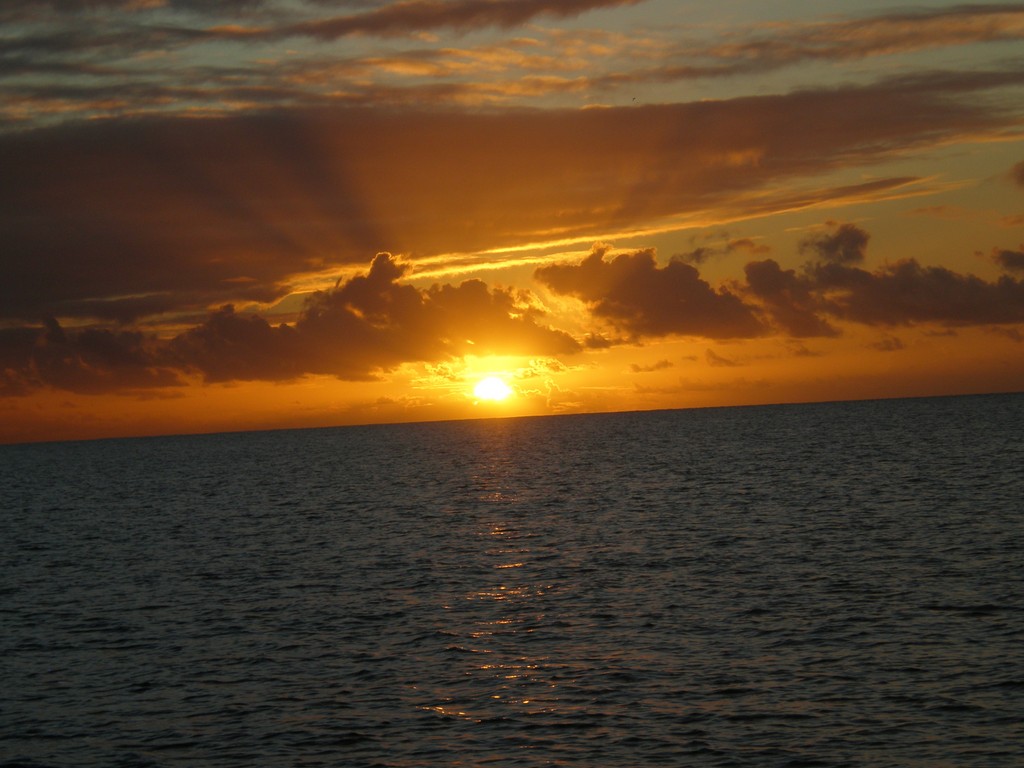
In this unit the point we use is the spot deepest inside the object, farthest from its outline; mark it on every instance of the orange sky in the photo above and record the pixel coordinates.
(286, 215)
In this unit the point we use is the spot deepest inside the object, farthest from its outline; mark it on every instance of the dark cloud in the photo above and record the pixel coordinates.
(85, 361)
(72, 45)
(637, 297)
(905, 293)
(229, 347)
(365, 326)
(126, 310)
(661, 365)
(402, 18)
(789, 299)
(48, 10)
(598, 341)
(1010, 260)
(846, 245)
(113, 41)
(697, 256)
(750, 50)
(368, 325)
(78, 6)
(130, 27)
(902, 292)
(704, 253)
(231, 209)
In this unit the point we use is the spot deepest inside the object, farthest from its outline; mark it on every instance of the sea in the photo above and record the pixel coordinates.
(834, 584)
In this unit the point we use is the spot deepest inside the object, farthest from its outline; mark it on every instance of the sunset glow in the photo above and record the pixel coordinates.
(330, 214)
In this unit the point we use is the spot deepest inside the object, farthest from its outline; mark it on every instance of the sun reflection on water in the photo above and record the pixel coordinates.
(507, 652)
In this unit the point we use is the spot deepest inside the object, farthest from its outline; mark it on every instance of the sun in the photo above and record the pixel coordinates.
(492, 388)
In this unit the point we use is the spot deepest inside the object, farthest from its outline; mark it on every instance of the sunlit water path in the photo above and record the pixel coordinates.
(815, 585)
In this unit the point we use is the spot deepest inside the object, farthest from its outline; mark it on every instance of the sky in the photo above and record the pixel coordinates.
(259, 214)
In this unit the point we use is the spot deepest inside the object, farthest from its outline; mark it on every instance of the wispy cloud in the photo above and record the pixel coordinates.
(782, 44)
(87, 48)
(419, 15)
(704, 253)
(716, 360)
(763, 48)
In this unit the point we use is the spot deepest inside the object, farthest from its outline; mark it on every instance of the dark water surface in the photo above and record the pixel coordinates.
(815, 585)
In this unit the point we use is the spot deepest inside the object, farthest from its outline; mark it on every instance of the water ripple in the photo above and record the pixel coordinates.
(825, 585)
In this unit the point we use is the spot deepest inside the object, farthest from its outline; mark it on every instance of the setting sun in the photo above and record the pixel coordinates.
(492, 388)
(844, 221)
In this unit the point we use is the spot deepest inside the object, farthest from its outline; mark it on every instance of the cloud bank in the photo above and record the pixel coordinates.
(634, 296)
(122, 219)
(374, 322)
(835, 284)
(363, 327)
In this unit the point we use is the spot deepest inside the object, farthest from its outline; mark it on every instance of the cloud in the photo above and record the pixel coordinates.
(905, 293)
(1012, 334)
(103, 67)
(598, 341)
(203, 212)
(419, 15)
(145, 27)
(899, 293)
(846, 245)
(1009, 260)
(539, 367)
(658, 366)
(789, 298)
(375, 321)
(705, 253)
(87, 361)
(366, 326)
(888, 344)
(884, 34)
(113, 41)
(799, 350)
(511, 57)
(719, 361)
(765, 47)
(641, 299)
(39, 7)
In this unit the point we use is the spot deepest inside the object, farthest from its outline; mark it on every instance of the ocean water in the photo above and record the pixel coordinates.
(813, 585)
